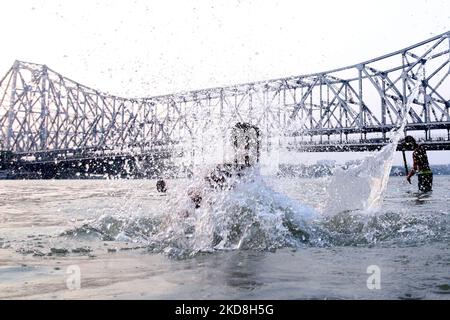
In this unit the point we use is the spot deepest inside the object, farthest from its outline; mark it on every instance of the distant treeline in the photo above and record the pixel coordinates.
(439, 169)
(322, 170)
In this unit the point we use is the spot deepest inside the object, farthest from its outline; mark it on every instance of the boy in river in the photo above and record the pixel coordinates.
(420, 165)
(246, 145)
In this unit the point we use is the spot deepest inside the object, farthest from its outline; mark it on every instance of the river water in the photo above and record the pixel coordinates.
(272, 238)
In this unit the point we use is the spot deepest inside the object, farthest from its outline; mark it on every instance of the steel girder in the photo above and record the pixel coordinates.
(41, 110)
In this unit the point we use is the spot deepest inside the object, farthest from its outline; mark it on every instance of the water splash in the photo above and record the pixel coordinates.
(270, 157)
(250, 215)
(247, 215)
(362, 185)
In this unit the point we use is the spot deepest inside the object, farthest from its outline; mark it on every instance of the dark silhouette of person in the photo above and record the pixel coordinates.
(161, 186)
(246, 142)
(421, 165)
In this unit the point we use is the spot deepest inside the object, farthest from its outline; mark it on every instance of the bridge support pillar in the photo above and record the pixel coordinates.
(11, 115)
(43, 134)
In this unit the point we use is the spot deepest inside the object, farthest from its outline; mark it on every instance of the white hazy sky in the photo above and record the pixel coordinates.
(145, 48)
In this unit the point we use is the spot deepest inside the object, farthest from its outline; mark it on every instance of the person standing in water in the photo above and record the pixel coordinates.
(420, 165)
(161, 186)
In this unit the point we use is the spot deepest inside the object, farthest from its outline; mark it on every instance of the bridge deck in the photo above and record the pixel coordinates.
(360, 147)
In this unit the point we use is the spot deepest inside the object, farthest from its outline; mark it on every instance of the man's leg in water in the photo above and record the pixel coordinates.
(425, 182)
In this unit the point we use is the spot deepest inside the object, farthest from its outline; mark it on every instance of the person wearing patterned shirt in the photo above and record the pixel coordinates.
(421, 165)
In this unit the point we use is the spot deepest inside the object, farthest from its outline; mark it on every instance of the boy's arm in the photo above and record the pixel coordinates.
(413, 170)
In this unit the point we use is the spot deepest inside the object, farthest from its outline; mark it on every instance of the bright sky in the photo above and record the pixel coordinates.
(145, 48)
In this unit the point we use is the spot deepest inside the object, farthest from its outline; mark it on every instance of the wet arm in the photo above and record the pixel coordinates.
(411, 173)
(414, 169)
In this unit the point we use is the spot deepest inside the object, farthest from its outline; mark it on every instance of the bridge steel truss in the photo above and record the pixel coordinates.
(42, 111)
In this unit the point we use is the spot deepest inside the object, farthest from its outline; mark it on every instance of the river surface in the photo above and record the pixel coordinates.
(122, 239)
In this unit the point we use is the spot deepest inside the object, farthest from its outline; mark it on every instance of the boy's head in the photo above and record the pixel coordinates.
(410, 142)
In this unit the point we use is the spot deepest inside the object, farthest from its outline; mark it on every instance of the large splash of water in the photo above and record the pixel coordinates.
(251, 215)
(362, 185)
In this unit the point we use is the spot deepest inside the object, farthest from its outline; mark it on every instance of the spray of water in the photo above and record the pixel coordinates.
(248, 214)
(362, 186)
